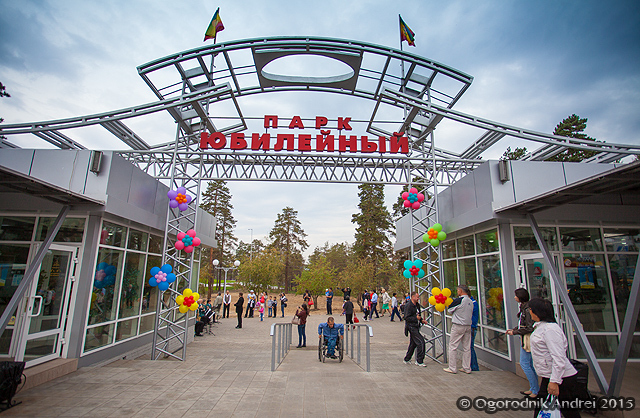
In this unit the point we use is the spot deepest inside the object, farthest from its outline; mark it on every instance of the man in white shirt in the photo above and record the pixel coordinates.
(462, 310)
(226, 304)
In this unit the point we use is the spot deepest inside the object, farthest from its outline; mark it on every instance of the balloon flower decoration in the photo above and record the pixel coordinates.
(434, 235)
(412, 198)
(413, 269)
(188, 301)
(440, 298)
(105, 275)
(162, 277)
(179, 198)
(187, 241)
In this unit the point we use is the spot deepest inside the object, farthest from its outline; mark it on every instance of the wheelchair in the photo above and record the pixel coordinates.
(322, 349)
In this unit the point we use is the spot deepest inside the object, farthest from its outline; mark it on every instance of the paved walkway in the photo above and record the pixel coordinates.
(229, 374)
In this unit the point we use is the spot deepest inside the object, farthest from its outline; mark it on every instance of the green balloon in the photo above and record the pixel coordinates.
(437, 227)
(426, 238)
(435, 242)
(442, 235)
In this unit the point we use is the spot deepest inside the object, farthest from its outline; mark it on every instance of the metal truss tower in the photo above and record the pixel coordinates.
(201, 97)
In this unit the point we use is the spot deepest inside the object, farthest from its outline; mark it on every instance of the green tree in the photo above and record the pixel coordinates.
(244, 250)
(216, 200)
(573, 127)
(358, 276)
(516, 154)
(338, 255)
(317, 277)
(3, 93)
(262, 271)
(374, 226)
(288, 237)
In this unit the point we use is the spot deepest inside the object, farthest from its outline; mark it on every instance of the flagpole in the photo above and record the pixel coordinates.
(402, 65)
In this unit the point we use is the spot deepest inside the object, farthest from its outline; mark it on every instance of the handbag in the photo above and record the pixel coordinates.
(295, 320)
(549, 408)
(310, 302)
(526, 342)
(355, 319)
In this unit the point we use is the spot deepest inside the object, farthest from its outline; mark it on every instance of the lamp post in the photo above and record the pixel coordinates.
(226, 270)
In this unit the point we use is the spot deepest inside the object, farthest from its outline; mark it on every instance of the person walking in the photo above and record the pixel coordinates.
(549, 353)
(217, 304)
(348, 311)
(524, 330)
(329, 296)
(226, 304)
(365, 308)
(385, 302)
(239, 303)
(374, 305)
(413, 319)
(283, 303)
(462, 310)
(474, 327)
(394, 308)
(302, 312)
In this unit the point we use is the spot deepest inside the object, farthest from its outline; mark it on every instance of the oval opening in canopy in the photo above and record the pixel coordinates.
(314, 68)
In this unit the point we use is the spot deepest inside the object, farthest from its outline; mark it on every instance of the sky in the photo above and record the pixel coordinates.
(534, 63)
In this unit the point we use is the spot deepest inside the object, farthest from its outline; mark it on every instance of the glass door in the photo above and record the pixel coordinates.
(537, 280)
(45, 314)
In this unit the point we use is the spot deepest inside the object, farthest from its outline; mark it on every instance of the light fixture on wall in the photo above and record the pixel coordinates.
(504, 169)
(94, 161)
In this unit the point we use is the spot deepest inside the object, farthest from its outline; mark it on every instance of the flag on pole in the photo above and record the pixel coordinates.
(406, 34)
(214, 27)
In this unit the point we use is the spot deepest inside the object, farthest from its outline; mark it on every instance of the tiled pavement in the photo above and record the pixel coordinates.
(229, 375)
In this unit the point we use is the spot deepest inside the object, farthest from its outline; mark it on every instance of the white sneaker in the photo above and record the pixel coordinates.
(406, 362)
(421, 364)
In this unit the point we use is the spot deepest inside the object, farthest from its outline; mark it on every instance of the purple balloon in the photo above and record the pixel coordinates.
(172, 194)
(188, 199)
(182, 190)
(173, 204)
(183, 206)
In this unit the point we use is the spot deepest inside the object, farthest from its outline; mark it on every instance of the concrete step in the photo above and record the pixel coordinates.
(48, 371)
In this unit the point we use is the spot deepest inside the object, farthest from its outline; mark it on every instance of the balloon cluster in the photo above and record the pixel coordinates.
(440, 298)
(179, 198)
(187, 241)
(105, 275)
(496, 298)
(413, 268)
(162, 277)
(434, 235)
(188, 301)
(412, 198)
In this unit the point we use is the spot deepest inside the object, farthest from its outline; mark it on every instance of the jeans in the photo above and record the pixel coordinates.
(329, 310)
(331, 345)
(374, 308)
(282, 308)
(261, 315)
(526, 362)
(474, 358)
(395, 312)
(302, 336)
(270, 311)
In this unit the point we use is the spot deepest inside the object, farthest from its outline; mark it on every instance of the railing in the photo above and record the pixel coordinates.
(350, 340)
(280, 343)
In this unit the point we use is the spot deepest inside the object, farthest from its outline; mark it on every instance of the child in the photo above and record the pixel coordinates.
(270, 306)
(261, 310)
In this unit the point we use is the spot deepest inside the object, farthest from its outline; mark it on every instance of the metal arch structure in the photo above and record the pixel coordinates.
(189, 87)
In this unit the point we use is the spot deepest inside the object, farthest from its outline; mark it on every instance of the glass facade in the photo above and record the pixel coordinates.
(474, 260)
(597, 265)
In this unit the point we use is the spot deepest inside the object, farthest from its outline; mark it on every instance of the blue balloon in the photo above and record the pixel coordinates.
(155, 271)
(408, 264)
(171, 278)
(407, 274)
(418, 263)
(163, 286)
(166, 268)
(153, 282)
(421, 274)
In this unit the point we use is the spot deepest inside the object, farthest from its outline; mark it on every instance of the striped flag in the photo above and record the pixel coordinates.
(214, 27)
(406, 34)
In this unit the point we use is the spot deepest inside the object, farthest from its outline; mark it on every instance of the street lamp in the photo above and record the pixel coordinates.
(236, 264)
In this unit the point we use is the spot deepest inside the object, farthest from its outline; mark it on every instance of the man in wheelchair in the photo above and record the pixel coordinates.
(331, 332)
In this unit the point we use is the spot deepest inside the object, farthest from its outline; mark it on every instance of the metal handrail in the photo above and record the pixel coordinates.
(349, 338)
(280, 343)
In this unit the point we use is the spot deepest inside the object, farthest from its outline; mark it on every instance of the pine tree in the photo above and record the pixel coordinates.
(374, 226)
(516, 154)
(288, 237)
(572, 127)
(217, 201)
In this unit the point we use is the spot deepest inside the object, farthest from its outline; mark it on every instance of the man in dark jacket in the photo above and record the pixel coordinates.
(348, 310)
(412, 320)
(238, 306)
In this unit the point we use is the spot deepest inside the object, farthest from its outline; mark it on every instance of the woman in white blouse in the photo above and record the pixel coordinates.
(549, 352)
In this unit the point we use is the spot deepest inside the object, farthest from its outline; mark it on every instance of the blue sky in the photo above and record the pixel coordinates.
(533, 62)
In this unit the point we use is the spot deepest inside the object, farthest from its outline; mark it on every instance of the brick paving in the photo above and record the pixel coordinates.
(229, 375)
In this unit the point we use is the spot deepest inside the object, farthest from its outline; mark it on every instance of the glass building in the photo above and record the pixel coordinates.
(594, 239)
(90, 299)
